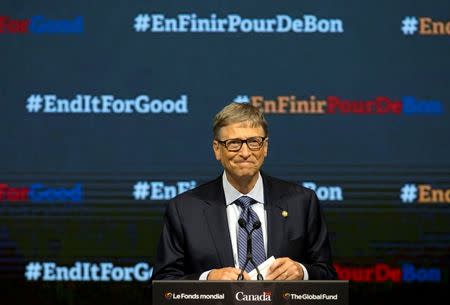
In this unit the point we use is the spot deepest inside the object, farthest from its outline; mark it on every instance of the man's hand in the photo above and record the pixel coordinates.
(225, 274)
(284, 268)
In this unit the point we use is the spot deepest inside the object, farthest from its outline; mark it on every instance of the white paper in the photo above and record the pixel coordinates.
(263, 268)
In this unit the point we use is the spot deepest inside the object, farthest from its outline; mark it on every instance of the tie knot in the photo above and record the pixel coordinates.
(244, 202)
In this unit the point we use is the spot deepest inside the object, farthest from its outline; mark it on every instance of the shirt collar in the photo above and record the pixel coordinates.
(232, 194)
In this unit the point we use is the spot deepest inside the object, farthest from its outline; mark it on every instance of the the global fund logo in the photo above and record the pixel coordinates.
(308, 296)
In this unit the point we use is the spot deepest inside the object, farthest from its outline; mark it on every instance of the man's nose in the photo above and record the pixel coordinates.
(244, 151)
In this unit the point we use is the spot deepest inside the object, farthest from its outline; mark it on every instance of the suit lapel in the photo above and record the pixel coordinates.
(216, 217)
(275, 220)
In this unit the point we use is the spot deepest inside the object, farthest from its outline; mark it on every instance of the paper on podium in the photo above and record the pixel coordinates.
(263, 268)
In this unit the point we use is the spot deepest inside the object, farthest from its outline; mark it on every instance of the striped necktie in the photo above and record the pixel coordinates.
(259, 254)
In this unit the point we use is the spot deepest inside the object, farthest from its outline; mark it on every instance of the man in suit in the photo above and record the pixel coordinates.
(202, 238)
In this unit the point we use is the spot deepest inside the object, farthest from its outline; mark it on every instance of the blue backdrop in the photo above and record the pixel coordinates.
(106, 113)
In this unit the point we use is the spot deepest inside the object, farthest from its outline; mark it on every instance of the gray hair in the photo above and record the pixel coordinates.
(239, 113)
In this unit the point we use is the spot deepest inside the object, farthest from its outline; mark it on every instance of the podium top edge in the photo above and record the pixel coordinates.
(252, 282)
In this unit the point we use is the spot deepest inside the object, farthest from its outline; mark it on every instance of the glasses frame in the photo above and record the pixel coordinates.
(224, 143)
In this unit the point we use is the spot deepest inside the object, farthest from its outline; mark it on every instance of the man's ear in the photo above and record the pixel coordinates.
(216, 150)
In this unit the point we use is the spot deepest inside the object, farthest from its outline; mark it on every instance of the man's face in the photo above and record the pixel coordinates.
(245, 162)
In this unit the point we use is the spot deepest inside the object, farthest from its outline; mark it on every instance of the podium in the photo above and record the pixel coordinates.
(250, 292)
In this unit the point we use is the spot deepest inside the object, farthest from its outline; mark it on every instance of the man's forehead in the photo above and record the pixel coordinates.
(245, 124)
(243, 128)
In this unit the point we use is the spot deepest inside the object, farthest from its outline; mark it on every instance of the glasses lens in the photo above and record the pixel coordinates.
(254, 143)
(234, 145)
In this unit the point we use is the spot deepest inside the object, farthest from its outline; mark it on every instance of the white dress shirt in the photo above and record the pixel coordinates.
(234, 212)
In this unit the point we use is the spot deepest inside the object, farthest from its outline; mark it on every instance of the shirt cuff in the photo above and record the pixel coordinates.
(305, 273)
(204, 275)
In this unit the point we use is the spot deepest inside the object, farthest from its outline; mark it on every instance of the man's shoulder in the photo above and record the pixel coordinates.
(205, 191)
(284, 187)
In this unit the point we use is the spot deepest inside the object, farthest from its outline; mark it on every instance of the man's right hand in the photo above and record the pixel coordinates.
(226, 274)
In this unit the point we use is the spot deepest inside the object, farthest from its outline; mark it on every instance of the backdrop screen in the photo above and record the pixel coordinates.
(106, 112)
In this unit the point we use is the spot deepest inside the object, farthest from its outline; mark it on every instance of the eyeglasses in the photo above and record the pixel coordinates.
(254, 143)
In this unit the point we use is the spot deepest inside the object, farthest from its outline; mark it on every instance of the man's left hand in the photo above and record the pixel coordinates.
(283, 269)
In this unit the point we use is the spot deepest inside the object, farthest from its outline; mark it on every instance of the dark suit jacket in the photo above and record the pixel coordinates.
(195, 237)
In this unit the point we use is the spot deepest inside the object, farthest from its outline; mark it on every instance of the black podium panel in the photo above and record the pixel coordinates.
(250, 292)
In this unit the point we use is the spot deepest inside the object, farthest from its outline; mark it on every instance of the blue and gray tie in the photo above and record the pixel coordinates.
(259, 254)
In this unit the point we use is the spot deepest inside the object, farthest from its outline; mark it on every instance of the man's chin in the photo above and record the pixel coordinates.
(246, 173)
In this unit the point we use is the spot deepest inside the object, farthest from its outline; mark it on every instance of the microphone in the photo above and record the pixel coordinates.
(256, 225)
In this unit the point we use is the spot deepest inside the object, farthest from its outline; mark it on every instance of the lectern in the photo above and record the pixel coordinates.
(250, 292)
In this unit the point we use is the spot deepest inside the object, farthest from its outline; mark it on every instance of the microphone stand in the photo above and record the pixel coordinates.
(256, 225)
